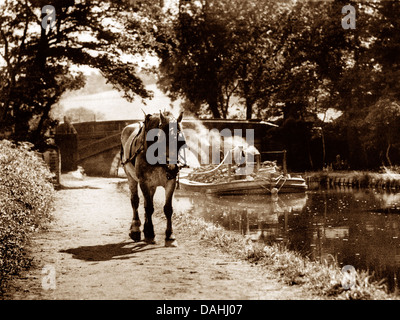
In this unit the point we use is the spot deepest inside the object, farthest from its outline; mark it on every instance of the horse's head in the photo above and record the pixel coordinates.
(166, 133)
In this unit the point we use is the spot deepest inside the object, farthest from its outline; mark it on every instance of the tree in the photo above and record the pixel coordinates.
(192, 51)
(371, 75)
(264, 53)
(36, 62)
(381, 131)
(218, 50)
(254, 50)
(309, 55)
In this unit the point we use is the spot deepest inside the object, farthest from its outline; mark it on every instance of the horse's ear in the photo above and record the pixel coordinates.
(180, 117)
(145, 114)
(146, 118)
(162, 118)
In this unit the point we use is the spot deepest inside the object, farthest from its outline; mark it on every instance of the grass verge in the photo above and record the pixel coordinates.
(323, 279)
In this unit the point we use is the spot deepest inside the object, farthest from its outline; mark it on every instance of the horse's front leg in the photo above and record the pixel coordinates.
(168, 211)
(134, 231)
(148, 229)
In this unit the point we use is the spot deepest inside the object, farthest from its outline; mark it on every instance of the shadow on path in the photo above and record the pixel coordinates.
(63, 187)
(116, 251)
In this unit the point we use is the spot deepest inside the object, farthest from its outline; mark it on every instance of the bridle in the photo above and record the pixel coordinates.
(172, 170)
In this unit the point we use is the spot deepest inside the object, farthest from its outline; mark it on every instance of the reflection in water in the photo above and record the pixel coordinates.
(347, 224)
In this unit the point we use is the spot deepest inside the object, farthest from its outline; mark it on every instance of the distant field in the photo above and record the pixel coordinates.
(114, 107)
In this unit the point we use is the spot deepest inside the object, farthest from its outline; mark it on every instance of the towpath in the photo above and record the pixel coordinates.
(87, 254)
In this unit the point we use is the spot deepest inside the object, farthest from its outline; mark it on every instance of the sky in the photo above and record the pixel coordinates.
(115, 107)
(111, 103)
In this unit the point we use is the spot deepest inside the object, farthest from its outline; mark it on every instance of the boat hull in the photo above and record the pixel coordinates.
(237, 187)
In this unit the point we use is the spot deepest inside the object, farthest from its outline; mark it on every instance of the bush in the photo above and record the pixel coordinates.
(26, 196)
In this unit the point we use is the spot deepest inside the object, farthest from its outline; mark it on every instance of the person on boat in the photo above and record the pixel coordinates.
(240, 160)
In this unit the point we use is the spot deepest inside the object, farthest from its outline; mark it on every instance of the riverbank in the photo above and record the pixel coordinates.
(355, 179)
(321, 280)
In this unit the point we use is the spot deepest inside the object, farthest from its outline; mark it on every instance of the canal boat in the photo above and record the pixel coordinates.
(250, 178)
(248, 185)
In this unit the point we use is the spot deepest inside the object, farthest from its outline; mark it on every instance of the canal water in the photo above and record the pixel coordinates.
(353, 227)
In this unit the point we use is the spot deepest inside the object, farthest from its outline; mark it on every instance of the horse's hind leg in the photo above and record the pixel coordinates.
(168, 211)
(134, 231)
(148, 229)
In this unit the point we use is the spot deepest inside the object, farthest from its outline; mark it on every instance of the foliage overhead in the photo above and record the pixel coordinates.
(37, 64)
(287, 60)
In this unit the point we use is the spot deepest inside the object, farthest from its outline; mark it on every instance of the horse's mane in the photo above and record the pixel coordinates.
(152, 121)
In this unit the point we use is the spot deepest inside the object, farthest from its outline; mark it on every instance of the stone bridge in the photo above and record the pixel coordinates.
(97, 145)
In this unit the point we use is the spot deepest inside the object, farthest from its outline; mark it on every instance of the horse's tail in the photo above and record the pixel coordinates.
(123, 162)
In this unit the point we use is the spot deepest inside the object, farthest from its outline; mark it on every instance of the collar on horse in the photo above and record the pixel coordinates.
(171, 170)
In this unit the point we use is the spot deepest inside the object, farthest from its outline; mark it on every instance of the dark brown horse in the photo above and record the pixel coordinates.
(149, 155)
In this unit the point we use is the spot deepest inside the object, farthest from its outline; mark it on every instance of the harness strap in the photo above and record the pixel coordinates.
(136, 153)
(132, 158)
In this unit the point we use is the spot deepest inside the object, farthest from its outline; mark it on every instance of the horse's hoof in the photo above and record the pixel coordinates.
(171, 243)
(135, 235)
(150, 241)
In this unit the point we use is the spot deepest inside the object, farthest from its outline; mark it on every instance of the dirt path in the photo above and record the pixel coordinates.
(92, 257)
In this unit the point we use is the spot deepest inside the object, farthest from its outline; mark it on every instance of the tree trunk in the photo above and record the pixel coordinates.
(249, 108)
(387, 155)
(249, 101)
(213, 104)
